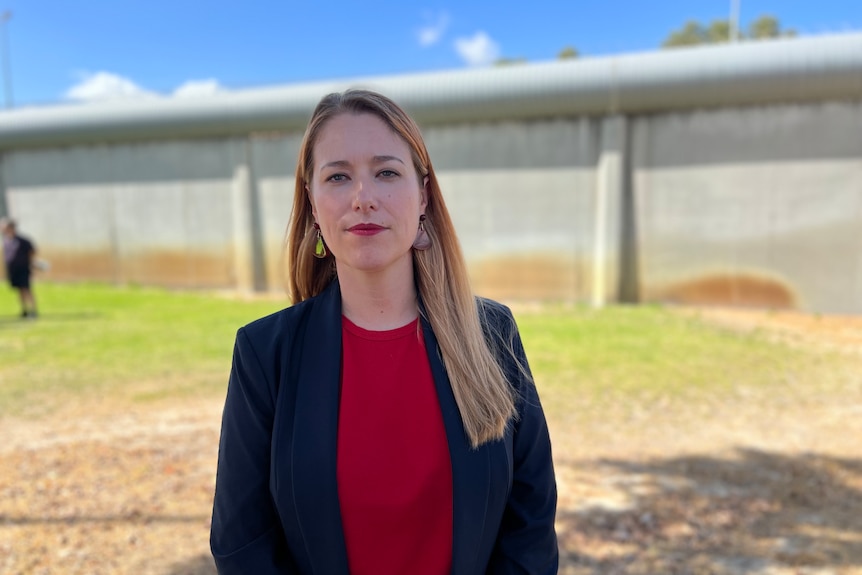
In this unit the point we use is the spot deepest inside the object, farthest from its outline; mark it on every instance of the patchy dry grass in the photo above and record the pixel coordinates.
(686, 441)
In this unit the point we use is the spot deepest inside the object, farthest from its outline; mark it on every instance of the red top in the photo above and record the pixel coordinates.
(394, 472)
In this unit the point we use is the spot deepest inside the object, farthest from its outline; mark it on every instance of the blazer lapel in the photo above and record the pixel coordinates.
(471, 475)
(316, 436)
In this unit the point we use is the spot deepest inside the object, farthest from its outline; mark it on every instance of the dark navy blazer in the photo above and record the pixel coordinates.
(276, 506)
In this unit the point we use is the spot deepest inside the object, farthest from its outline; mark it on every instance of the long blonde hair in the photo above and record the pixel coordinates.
(484, 397)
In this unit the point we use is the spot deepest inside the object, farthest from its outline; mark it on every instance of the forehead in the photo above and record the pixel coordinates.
(354, 137)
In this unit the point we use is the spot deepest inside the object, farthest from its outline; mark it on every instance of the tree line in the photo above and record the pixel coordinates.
(694, 33)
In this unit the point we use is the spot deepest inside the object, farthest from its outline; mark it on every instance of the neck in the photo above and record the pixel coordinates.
(378, 301)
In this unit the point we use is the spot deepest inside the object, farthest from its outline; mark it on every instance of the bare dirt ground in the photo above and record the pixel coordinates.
(752, 485)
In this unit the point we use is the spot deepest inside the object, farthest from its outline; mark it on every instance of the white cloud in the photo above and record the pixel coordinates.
(431, 33)
(198, 89)
(478, 50)
(110, 87)
(105, 86)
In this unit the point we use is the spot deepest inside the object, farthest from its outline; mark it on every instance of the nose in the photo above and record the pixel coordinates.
(364, 198)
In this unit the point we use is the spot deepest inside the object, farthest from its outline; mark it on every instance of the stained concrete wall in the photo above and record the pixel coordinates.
(274, 165)
(746, 206)
(213, 213)
(756, 206)
(157, 213)
(521, 195)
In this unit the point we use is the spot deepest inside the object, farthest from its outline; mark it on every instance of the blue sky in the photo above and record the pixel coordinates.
(79, 50)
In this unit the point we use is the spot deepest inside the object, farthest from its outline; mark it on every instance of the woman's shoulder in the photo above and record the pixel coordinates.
(499, 327)
(282, 324)
(494, 314)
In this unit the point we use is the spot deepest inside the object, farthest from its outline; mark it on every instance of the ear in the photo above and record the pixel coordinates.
(308, 197)
(423, 194)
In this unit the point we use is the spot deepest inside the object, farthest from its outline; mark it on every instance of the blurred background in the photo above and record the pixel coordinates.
(705, 154)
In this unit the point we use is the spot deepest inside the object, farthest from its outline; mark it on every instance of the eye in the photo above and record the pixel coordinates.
(388, 173)
(336, 178)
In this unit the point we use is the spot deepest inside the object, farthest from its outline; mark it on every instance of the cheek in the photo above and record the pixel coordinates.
(322, 206)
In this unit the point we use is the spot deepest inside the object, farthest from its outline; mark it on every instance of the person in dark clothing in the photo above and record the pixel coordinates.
(19, 253)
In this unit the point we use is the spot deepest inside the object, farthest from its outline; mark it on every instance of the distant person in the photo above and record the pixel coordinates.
(387, 422)
(19, 254)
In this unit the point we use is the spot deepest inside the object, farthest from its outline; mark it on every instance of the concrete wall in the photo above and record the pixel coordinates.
(274, 165)
(745, 206)
(157, 213)
(521, 195)
(756, 206)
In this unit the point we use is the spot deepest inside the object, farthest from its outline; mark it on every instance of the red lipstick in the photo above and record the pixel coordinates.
(366, 229)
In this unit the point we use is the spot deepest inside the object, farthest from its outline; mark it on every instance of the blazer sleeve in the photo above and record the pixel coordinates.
(246, 534)
(527, 540)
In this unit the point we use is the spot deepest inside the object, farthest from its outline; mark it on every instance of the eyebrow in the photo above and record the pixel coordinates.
(374, 160)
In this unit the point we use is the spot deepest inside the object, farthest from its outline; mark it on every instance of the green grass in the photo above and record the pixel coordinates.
(584, 359)
(145, 344)
(138, 343)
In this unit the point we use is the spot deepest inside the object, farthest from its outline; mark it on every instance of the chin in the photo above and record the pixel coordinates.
(378, 262)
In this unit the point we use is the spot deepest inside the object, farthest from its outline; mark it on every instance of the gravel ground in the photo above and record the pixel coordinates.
(753, 484)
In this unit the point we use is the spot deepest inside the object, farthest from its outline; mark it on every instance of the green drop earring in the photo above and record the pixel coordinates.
(319, 246)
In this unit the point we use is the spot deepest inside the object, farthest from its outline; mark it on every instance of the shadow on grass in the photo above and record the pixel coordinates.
(750, 513)
(201, 565)
(17, 320)
(125, 519)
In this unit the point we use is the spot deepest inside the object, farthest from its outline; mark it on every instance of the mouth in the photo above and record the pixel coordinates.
(365, 229)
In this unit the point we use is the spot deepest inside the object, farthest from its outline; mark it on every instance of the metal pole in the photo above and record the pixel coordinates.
(734, 20)
(4, 46)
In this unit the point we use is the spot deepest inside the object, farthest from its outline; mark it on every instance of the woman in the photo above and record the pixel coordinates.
(387, 421)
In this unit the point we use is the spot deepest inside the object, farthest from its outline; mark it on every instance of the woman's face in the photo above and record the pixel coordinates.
(365, 193)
